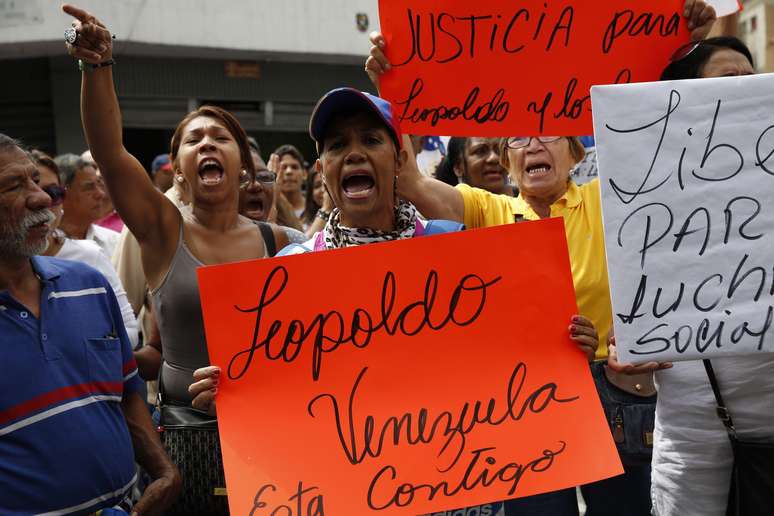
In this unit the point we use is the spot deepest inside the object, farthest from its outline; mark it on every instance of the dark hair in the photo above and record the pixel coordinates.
(286, 149)
(228, 120)
(40, 158)
(692, 65)
(311, 205)
(69, 165)
(253, 143)
(455, 153)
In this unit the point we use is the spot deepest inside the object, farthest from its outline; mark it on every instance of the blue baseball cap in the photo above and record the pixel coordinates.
(348, 100)
(161, 162)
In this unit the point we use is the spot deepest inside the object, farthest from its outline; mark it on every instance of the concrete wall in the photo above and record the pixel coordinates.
(158, 92)
(325, 30)
(761, 40)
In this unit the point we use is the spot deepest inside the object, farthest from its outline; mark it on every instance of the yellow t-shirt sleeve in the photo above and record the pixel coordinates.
(484, 209)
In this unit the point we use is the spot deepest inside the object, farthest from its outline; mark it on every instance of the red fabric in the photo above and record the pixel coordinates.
(112, 221)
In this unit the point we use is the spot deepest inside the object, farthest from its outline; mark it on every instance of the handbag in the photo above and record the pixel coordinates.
(751, 492)
(629, 402)
(191, 439)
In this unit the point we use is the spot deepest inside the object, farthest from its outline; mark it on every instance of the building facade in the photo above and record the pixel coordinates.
(266, 61)
(756, 29)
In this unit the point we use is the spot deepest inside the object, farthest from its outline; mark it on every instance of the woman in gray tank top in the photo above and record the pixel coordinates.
(210, 150)
(211, 158)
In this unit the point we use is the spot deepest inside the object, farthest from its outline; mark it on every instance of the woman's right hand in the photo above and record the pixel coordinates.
(95, 43)
(377, 63)
(618, 367)
(204, 388)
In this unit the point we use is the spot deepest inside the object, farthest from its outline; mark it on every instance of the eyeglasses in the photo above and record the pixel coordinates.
(518, 142)
(56, 192)
(264, 177)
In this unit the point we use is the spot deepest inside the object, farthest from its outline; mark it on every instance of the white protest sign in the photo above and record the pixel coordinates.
(725, 7)
(687, 177)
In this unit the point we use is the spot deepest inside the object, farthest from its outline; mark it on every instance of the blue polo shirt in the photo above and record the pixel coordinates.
(64, 444)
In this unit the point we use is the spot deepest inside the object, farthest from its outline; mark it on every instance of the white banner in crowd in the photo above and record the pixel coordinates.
(687, 172)
(725, 7)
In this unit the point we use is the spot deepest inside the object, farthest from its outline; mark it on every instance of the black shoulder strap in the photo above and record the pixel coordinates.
(161, 392)
(268, 238)
(721, 409)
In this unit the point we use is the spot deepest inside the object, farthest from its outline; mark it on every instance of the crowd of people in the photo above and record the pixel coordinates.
(99, 295)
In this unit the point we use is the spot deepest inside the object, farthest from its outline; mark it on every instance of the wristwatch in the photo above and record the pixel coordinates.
(323, 215)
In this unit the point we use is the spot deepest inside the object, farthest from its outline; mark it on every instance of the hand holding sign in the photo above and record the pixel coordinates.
(448, 66)
(377, 63)
(583, 333)
(699, 16)
(626, 368)
(204, 388)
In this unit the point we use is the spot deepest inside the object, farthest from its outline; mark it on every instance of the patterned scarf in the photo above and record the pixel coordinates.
(337, 236)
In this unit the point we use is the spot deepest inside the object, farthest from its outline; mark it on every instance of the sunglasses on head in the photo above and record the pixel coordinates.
(56, 192)
(685, 50)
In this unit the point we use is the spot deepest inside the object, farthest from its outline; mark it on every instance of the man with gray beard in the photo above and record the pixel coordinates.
(72, 421)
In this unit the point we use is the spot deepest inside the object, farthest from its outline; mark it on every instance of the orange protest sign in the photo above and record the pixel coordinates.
(401, 378)
(505, 68)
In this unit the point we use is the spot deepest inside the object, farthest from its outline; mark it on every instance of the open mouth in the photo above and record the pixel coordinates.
(39, 222)
(254, 209)
(41, 227)
(538, 169)
(210, 171)
(494, 173)
(358, 185)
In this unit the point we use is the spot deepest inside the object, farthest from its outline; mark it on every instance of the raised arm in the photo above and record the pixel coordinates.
(144, 209)
(434, 199)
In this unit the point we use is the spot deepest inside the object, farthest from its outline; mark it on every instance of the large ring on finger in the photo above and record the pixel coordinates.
(71, 36)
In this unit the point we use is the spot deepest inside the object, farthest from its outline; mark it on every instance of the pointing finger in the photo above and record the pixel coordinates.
(77, 12)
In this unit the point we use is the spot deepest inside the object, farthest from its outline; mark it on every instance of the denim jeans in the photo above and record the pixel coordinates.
(555, 503)
(627, 494)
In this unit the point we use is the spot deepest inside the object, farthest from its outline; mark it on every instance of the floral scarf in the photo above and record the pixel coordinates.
(337, 236)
